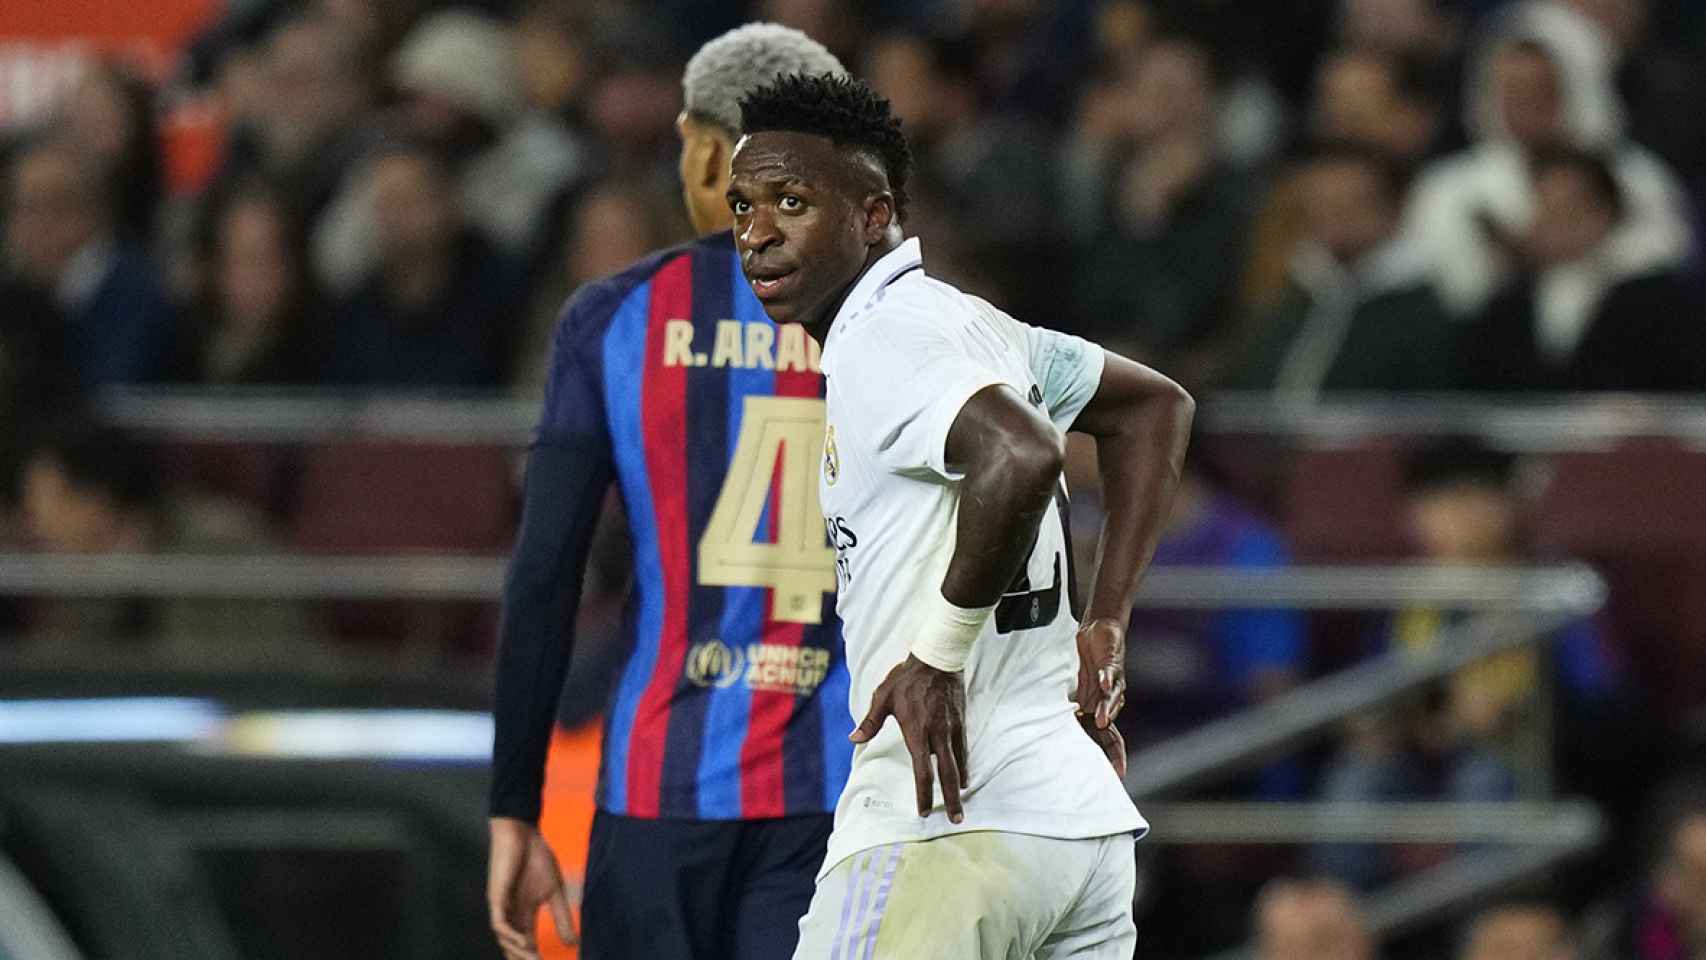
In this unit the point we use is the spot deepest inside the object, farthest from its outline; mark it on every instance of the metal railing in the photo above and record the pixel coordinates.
(28, 929)
(440, 576)
(1543, 423)
(1512, 609)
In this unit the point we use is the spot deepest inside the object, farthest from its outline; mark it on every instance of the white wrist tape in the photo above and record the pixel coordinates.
(946, 632)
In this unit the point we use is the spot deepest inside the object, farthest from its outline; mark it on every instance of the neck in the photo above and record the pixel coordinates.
(818, 327)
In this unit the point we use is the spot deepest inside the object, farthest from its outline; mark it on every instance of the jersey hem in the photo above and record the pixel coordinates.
(1087, 829)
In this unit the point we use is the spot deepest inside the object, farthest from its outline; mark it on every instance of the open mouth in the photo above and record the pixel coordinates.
(771, 284)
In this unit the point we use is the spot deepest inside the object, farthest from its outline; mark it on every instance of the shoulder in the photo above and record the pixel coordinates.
(589, 310)
(913, 320)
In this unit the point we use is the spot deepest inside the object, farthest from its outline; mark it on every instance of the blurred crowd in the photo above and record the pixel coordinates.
(1294, 198)
(1303, 197)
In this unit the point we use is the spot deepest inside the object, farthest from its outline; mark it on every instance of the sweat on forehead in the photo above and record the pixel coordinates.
(779, 155)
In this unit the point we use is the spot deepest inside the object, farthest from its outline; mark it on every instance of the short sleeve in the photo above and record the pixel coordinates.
(1068, 369)
(574, 392)
(912, 381)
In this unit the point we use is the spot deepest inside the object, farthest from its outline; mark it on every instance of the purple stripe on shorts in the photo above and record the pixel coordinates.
(854, 882)
(875, 923)
(866, 882)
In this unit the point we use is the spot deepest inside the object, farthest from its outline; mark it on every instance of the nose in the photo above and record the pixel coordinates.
(761, 232)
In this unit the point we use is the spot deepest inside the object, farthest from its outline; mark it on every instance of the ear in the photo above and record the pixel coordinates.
(712, 163)
(879, 215)
(704, 154)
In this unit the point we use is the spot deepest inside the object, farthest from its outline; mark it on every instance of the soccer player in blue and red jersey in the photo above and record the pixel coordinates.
(726, 739)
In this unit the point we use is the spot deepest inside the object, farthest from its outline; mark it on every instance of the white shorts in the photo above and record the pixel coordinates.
(977, 896)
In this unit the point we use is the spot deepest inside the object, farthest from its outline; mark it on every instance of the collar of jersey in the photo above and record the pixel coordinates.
(875, 278)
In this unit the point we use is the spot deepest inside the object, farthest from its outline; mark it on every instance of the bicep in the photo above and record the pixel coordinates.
(997, 421)
(1124, 385)
(911, 385)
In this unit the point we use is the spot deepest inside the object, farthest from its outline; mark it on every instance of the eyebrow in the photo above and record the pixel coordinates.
(775, 182)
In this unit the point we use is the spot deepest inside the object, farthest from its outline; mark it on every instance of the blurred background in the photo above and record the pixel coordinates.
(1420, 670)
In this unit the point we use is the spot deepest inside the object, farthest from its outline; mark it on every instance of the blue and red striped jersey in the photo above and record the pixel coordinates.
(733, 701)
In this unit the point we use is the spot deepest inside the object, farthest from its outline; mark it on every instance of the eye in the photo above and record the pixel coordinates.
(791, 202)
(740, 207)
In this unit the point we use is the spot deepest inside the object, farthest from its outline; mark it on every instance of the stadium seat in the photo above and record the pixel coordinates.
(1342, 504)
(1639, 513)
(1644, 497)
(378, 497)
(259, 475)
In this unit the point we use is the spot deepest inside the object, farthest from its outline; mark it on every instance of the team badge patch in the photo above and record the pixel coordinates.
(831, 458)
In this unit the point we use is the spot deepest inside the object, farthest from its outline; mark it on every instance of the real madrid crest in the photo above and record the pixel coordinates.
(831, 458)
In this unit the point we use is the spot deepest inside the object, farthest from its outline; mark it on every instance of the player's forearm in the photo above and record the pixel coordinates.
(1003, 497)
(563, 491)
(1139, 461)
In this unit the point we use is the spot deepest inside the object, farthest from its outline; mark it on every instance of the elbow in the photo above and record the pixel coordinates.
(1036, 462)
(1180, 403)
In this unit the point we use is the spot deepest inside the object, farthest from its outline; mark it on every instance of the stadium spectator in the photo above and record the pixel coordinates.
(1519, 931)
(60, 235)
(35, 373)
(298, 104)
(440, 305)
(258, 314)
(985, 178)
(91, 490)
(1310, 920)
(611, 225)
(1577, 316)
(458, 80)
(110, 115)
(1397, 26)
(1157, 221)
(1466, 742)
(1186, 667)
(1357, 313)
(1541, 76)
(1671, 924)
(1385, 101)
(1382, 101)
(1655, 48)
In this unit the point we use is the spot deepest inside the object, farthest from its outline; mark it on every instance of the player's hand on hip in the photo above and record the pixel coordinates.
(1110, 740)
(523, 876)
(1101, 685)
(1101, 671)
(930, 706)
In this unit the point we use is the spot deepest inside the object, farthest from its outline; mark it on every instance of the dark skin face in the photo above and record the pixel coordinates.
(810, 218)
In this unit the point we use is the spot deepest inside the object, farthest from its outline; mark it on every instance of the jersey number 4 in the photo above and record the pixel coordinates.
(734, 552)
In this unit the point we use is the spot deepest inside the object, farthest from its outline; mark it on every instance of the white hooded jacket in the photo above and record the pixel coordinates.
(1490, 179)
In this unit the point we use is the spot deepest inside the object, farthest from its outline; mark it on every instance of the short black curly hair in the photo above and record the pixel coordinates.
(845, 109)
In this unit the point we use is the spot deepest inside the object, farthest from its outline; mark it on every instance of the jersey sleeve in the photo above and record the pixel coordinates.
(574, 396)
(912, 381)
(568, 470)
(1067, 369)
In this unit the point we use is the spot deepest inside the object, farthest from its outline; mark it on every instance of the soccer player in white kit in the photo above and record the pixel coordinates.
(941, 492)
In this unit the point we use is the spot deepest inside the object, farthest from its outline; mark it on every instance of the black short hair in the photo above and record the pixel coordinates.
(1593, 166)
(1456, 461)
(842, 108)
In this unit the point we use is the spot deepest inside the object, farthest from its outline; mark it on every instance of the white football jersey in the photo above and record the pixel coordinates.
(903, 356)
